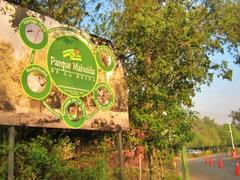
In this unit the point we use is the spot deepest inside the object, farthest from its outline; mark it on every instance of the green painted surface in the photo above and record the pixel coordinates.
(72, 66)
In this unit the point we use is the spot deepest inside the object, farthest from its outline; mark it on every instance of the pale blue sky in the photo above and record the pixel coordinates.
(223, 96)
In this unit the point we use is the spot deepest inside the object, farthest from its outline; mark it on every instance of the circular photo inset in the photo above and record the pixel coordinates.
(33, 33)
(103, 96)
(74, 112)
(36, 82)
(105, 58)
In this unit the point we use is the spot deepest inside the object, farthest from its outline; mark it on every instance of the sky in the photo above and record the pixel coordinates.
(223, 96)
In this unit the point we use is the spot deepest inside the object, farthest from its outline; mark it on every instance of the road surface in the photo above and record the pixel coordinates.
(200, 171)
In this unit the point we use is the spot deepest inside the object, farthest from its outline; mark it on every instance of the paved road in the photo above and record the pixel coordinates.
(200, 171)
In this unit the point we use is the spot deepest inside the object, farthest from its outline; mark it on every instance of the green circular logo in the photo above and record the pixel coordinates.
(72, 66)
(103, 96)
(33, 33)
(74, 112)
(105, 58)
(36, 82)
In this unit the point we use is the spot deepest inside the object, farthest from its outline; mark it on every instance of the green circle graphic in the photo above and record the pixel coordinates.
(105, 65)
(36, 82)
(71, 119)
(101, 101)
(72, 66)
(33, 33)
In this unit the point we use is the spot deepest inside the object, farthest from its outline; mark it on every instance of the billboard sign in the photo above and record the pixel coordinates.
(69, 78)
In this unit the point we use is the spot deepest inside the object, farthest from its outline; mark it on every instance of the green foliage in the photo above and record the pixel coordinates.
(235, 115)
(68, 12)
(228, 21)
(102, 20)
(45, 158)
(3, 161)
(207, 133)
(101, 169)
(166, 51)
(236, 135)
(170, 131)
(165, 48)
(224, 134)
(32, 160)
(64, 149)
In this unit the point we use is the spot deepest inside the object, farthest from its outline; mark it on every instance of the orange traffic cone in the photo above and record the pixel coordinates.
(220, 162)
(206, 160)
(211, 162)
(237, 169)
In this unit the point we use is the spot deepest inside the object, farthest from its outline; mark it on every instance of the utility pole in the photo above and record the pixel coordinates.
(230, 130)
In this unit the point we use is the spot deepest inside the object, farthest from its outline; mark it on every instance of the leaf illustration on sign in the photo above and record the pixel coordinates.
(73, 54)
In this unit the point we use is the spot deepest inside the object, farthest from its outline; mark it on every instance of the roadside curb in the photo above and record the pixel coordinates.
(212, 155)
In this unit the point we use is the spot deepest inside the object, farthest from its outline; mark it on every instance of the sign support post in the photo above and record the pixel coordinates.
(140, 167)
(11, 141)
(120, 154)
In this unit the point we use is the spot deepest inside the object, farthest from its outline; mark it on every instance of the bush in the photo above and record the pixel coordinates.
(3, 161)
(44, 158)
(33, 160)
(208, 152)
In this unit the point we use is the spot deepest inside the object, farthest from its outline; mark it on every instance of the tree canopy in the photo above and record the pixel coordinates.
(207, 133)
(69, 12)
(235, 115)
(166, 47)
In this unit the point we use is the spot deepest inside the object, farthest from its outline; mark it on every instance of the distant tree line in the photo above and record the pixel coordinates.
(207, 133)
(235, 115)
